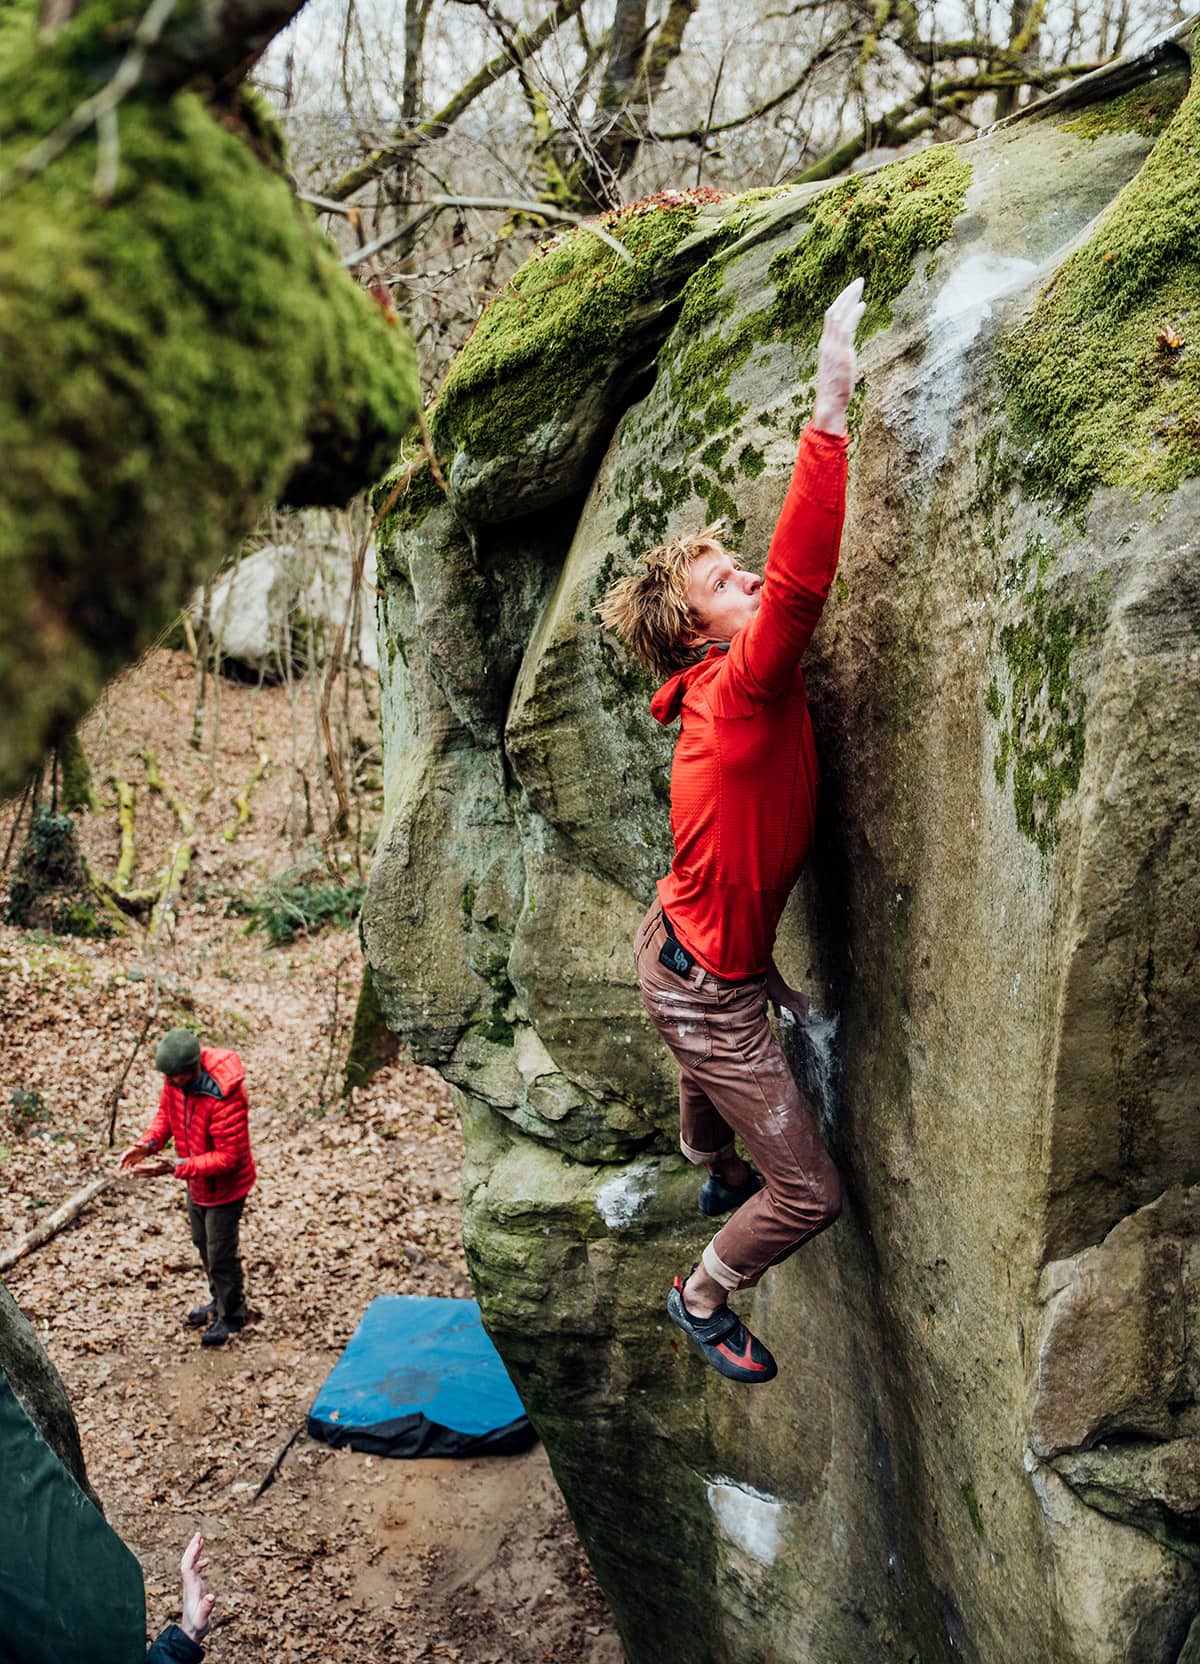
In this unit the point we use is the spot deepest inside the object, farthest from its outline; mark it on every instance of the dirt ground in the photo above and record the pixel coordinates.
(344, 1557)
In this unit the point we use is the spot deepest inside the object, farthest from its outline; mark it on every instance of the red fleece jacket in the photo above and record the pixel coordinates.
(212, 1134)
(744, 779)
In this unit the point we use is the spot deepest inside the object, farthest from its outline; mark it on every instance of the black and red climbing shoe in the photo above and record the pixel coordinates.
(717, 1197)
(724, 1340)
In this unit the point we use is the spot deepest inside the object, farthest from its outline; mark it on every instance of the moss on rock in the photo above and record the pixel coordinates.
(566, 312)
(176, 357)
(1102, 382)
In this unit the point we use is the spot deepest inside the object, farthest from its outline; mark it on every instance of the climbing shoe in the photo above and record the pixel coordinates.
(717, 1197)
(724, 1340)
(201, 1316)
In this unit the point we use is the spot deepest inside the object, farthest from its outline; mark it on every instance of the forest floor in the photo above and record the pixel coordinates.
(344, 1557)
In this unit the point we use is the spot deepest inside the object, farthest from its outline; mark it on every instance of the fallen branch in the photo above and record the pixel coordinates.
(54, 1222)
(272, 1472)
(180, 860)
(125, 810)
(242, 800)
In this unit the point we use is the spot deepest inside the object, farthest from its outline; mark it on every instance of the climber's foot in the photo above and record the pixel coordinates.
(724, 1341)
(718, 1196)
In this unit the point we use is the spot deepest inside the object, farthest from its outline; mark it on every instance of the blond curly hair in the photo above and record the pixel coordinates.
(649, 611)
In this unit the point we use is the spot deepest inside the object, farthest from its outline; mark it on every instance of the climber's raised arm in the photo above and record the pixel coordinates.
(804, 550)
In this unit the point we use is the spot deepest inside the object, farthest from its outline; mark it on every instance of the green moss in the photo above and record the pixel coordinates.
(205, 353)
(1102, 383)
(566, 315)
(751, 461)
(52, 889)
(1042, 716)
(871, 226)
(1146, 109)
(972, 1501)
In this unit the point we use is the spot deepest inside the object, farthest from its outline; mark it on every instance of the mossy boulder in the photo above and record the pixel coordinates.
(981, 1441)
(180, 350)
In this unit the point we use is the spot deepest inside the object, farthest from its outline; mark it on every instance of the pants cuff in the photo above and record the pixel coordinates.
(719, 1271)
(701, 1158)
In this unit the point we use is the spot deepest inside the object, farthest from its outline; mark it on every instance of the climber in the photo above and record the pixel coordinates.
(203, 1108)
(743, 800)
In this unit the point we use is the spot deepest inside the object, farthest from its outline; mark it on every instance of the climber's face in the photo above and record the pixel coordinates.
(723, 596)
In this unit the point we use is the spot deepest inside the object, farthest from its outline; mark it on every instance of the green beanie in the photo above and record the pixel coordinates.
(179, 1049)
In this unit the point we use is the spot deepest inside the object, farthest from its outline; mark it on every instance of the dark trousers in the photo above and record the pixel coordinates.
(215, 1233)
(734, 1078)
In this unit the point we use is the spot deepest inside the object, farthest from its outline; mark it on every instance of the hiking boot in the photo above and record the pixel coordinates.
(201, 1316)
(724, 1340)
(218, 1332)
(717, 1197)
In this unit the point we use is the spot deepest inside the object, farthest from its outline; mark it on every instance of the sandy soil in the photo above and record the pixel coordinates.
(344, 1557)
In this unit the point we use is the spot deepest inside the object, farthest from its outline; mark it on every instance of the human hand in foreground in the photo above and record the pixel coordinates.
(835, 359)
(197, 1602)
(131, 1157)
(154, 1168)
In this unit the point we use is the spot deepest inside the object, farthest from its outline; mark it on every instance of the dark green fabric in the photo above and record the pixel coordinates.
(69, 1588)
(179, 1049)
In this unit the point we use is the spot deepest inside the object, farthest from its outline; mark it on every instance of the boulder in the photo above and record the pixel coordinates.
(981, 1443)
(285, 599)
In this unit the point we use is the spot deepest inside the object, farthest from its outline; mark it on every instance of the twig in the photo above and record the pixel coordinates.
(333, 1032)
(272, 1472)
(435, 204)
(54, 1222)
(100, 107)
(114, 1097)
(12, 833)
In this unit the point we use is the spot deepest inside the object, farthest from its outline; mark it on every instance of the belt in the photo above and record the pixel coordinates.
(676, 958)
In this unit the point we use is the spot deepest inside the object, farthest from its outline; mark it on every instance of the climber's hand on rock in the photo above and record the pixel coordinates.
(835, 359)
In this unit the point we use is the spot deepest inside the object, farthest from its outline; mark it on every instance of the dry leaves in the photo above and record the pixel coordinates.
(343, 1557)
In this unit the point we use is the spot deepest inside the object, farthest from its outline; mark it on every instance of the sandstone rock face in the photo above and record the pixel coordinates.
(983, 1441)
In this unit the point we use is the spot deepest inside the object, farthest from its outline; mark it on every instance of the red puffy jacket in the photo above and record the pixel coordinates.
(209, 1119)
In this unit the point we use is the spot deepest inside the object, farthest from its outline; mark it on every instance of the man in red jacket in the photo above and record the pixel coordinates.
(203, 1108)
(743, 805)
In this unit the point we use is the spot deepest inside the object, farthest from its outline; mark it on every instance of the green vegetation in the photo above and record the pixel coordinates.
(52, 890)
(1146, 109)
(1102, 383)
(1042, 716)
(872, 226)
(565, 317)
(206, 355)
(301, 906)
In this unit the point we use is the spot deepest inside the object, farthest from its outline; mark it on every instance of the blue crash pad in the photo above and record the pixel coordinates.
(420, 1377)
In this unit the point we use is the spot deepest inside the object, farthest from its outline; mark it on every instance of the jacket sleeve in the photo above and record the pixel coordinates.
(174, 1647)
(158, 1132)
(800, 567)
(229, 1128)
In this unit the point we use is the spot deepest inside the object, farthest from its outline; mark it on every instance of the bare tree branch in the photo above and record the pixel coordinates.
(406, 140)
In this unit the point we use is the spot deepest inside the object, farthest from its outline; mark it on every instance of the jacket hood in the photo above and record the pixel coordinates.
(668, 701)
(224, 1066)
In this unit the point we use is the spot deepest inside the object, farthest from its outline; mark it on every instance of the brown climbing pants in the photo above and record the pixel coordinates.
(734, 1079)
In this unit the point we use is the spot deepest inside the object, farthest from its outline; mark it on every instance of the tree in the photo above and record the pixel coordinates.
(196, 355)
(582, 105)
